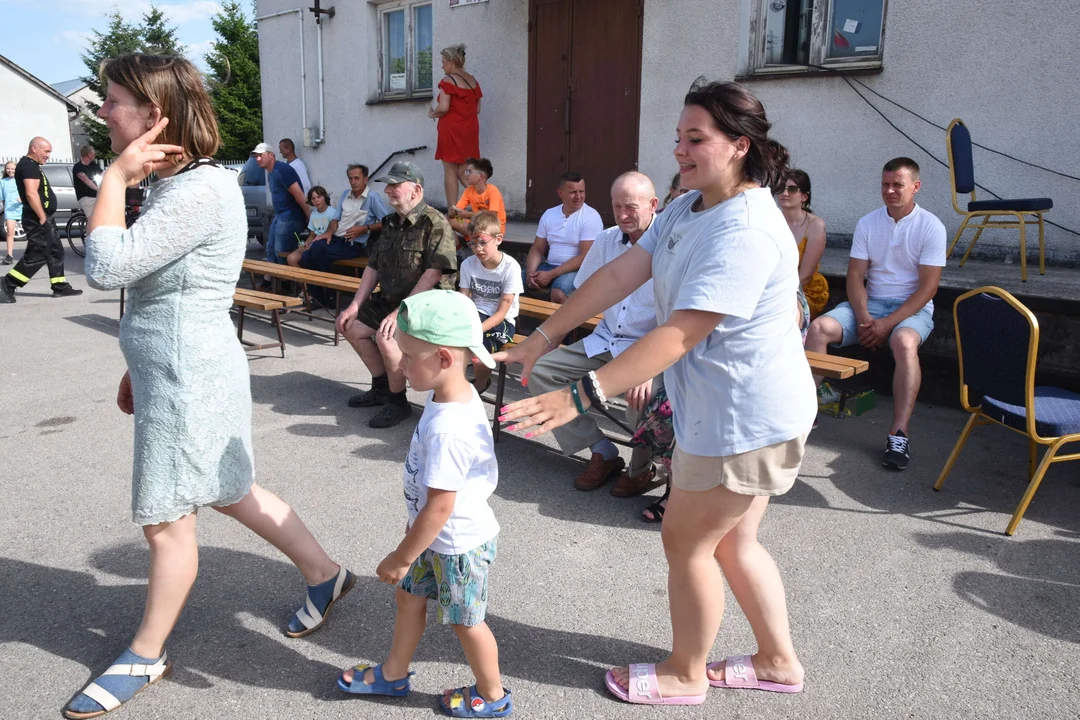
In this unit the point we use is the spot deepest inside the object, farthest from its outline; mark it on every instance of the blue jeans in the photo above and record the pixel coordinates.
(564, 282)
(322, 255)
(283, 236)
(921, 322)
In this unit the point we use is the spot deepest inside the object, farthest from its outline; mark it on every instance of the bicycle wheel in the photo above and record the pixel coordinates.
(76, 233)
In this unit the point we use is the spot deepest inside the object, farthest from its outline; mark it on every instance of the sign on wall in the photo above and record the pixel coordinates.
(459, 3)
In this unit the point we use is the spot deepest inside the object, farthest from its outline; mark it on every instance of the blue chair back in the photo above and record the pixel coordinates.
(994, 340)
(963, 167)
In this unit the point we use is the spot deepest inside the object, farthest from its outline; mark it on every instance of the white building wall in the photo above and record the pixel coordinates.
(79, 136)
(29, 111)
(1008, 70)
(358, 132)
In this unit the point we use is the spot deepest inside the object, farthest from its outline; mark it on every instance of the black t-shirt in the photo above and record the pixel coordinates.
(28, 169)
(90, 170)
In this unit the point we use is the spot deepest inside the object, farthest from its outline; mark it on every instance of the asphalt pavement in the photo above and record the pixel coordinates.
(905, 603)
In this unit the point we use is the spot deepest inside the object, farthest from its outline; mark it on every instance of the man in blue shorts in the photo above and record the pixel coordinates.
(291, 210)
(897, 253)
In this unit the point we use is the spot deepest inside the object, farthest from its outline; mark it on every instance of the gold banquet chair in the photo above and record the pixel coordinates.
(997, 339)
(980, 214)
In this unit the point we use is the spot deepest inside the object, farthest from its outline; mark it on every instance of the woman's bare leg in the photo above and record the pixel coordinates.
(755, 582)
(10, 237)
(273, 520)
(174, 563)
(452, 176)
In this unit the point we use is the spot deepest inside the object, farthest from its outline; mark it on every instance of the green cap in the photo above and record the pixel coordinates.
(402, 171)
(444, 317)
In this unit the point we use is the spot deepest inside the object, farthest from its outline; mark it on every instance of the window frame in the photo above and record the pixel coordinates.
(820, 23)
(408, 7)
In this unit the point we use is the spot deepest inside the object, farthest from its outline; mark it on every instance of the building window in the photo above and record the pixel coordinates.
(405, 49)
(800, 36)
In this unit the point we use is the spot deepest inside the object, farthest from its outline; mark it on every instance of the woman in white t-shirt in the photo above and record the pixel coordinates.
(725, 269)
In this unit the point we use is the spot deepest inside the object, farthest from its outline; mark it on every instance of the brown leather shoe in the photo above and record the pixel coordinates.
(627, 486)
(598, 472)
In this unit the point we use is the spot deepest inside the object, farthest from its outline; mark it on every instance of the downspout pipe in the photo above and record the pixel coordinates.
(322, 89)
(303, 72)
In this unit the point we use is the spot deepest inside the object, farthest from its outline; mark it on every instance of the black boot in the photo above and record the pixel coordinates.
(395, 410)
(380, 388)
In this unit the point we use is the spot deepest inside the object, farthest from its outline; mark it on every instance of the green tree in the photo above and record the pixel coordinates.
(157, 37)
(234, 81)
(119, 37)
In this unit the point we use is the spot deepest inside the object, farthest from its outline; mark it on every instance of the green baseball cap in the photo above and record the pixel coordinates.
(444, 317)
(402, 171)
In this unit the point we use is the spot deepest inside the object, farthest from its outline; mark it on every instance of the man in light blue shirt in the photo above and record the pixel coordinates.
(362, 211)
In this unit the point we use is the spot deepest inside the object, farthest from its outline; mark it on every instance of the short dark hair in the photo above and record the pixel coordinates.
(357, 166)
(483, 165)
(899, 163)
(570, 177)
(318, 190)
(288, 143)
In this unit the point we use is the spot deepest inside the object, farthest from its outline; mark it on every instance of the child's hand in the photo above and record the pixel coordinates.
(392, 568)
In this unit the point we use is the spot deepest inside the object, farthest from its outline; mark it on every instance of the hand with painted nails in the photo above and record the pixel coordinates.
(542, 413)
(526, 353)
(142, 157)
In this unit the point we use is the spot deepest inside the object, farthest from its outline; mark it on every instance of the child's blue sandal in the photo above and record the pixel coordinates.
(381, 686)
(123, 680)
(454, 704)
(320, 598)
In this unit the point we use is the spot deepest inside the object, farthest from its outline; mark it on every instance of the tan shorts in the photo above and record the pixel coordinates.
(770, 470)
(86, 204)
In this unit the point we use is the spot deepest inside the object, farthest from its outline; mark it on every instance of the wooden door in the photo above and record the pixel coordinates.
(584, 96)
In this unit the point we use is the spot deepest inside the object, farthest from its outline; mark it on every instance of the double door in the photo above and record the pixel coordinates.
(584, 97)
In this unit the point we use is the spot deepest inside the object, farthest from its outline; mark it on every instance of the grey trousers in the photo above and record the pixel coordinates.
(558, 369)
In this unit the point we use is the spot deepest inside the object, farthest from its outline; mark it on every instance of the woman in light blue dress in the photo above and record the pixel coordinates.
(187, 382)
(11, 204)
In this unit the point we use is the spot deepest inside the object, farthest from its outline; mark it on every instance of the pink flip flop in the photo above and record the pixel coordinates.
(739, 674)
(645, 690)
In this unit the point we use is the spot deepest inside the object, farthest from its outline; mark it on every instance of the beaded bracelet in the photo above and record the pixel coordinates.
(596, 388)
(577, 398)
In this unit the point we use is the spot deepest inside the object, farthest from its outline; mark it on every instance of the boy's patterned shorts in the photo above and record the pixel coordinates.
(459, 583)
(497, 336)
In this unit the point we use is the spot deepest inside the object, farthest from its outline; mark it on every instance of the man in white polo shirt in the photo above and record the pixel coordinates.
(634, 202)
(563, 238)
(898, 250)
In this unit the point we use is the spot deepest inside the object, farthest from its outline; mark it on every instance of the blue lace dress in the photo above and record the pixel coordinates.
(189, 373)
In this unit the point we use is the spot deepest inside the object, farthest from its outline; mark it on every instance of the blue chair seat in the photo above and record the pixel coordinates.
(1021, 205)
(1057, 412)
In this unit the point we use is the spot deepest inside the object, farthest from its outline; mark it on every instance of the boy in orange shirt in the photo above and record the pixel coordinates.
(479, 196)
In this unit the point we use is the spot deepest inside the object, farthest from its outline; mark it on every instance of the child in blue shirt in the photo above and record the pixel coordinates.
(322, 222)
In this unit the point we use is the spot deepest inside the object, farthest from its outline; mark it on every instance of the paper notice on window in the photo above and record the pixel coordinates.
(866, 48)
(397, 82)
(851, 26)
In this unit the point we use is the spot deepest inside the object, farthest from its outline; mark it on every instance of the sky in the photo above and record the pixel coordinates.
(46, 37)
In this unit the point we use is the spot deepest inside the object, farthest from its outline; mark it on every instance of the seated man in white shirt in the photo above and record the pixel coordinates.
(898, 250)
(563, 238)
(634, 201)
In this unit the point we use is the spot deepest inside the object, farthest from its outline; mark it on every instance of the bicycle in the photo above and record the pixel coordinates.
(76, 224)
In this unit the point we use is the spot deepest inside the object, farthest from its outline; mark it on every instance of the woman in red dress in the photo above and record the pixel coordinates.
(459, 126)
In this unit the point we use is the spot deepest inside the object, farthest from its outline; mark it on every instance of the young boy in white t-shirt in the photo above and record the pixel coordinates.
(450, 472)
(492, 279)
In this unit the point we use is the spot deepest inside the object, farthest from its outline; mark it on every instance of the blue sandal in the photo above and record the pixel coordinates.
(123, 680)
(381, 686)
(454, 704)
(320, 598)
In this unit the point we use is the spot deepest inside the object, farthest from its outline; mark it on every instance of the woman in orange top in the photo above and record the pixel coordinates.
(794, 202)
(479, 195)
(459, 127)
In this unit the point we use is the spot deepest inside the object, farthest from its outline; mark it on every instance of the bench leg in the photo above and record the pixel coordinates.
(500, 388)
(276, 316)
(337, 307)
(240, 324)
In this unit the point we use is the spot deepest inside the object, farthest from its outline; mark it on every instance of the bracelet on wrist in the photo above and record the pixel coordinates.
(545, 335)
(577, 398)
(600, 397)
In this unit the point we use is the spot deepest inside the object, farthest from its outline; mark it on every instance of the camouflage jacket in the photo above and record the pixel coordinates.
(408, 246)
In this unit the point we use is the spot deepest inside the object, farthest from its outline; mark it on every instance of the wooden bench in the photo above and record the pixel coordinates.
(356, 265)
(304, 277)
(244, 300)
